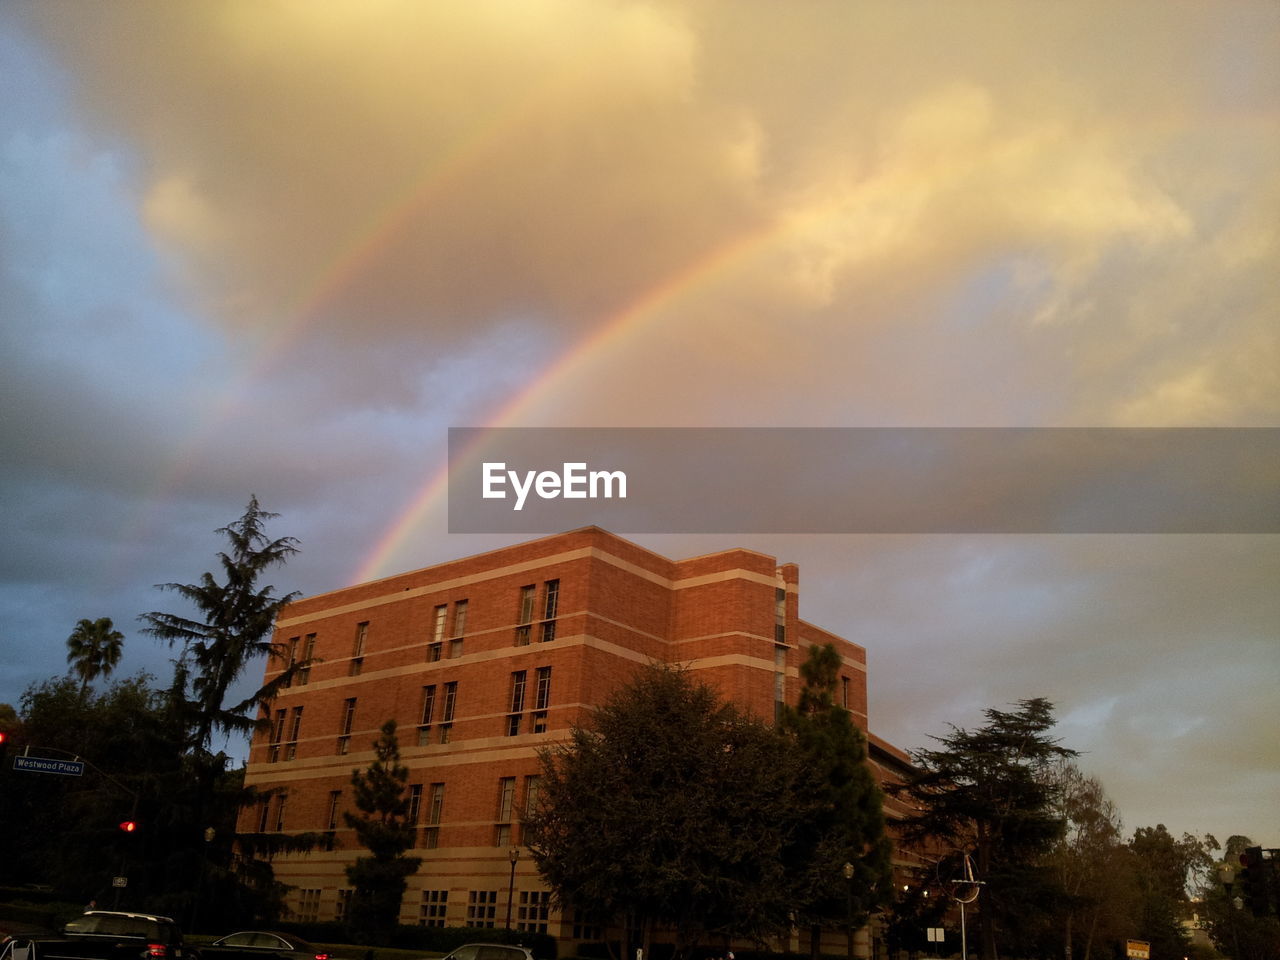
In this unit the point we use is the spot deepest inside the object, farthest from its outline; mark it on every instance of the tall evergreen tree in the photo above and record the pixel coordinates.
(844, 817)
(384, 830)
(94, 649)
(986, 791)
(237, 616)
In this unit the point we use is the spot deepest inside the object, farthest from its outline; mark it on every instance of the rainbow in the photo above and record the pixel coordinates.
(604, 339)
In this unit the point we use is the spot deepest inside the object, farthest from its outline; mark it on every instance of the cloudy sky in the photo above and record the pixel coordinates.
(279, 248)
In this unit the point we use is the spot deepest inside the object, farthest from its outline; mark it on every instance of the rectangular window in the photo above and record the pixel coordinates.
(428, 710)
(331, 821)
(431, 833)
(293, 658)
(482, 908)
(357, 649)
(506, 798)
(291, 748)
(434, 652)
(524, 618)
(844, 692)
(534, 910)
(455, 648)
(277, 736)
(415, 804)
(344, 905)
(437, 626)
(450, 702)
(542, 700)
(517, 690)
(460, 618)
(531, 786)
(551, 600)
(264, 814)
(435, 908)
(308, 654)
(348, 719)
(309, 905)
(585, 927)
(280, 801)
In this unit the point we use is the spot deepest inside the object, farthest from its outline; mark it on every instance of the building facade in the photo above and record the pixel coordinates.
(481, 662)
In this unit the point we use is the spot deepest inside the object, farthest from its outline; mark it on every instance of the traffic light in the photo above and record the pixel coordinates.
(128, 826)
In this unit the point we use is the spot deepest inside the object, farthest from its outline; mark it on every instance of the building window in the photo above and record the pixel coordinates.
(585, 927)
(844, 692)
(331, 821)
(517, 702)
(482, 908)
(779, 681)
(428, 709)
(277, 735)
(531, 786)
(550, 607)
(541, 700)
(280, 801)
(308, 905)
(780, 615)
(450, 702)
(535, 907)
(524, 620)
(431, 833)
(344, 905)
(344, 731)
(415, 804)
(460, 618)
(506, 804)
(293, 657)
(291, 748)
(264, 814)
(357, 649)
(434, 652)
(455, 648)
(308, 654)
(435, 907)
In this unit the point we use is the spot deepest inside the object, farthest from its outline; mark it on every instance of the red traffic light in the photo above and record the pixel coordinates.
(128, 826)
(3, 736)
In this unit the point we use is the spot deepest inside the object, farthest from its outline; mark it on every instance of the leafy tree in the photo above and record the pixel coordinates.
(673, 810)
(843, 816)
(380, 880)
(1091, 864)
(1165, 866)
(986, 791)
(237, 617)
(94, 649)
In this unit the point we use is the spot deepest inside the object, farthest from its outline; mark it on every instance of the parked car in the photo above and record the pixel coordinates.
(105, 935)
(263, 945)
(490, 951)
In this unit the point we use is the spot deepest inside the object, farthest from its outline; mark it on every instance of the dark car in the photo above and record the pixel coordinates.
(263, 945)
(490, 951)
(143, 934)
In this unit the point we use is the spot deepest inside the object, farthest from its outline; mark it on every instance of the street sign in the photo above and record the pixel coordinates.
(1137, 949)
(936, 934)
(119, 881)
(67, 768)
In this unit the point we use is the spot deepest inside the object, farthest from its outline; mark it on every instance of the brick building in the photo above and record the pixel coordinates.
(483, 660)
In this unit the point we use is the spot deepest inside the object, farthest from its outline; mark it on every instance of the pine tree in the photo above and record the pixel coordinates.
(987, 791)
(843, 823)
(384, 830)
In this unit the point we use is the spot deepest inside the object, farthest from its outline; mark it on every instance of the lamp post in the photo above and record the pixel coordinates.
(848, 877)
(513, 855)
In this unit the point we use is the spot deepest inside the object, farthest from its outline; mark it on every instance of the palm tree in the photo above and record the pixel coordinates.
(93, 649)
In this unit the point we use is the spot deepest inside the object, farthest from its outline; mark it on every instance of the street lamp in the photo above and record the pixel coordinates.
(513, 855)
(848, 876)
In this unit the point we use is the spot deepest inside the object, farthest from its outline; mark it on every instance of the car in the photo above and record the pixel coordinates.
(490, 951)
(263, 945)
(160, 937)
